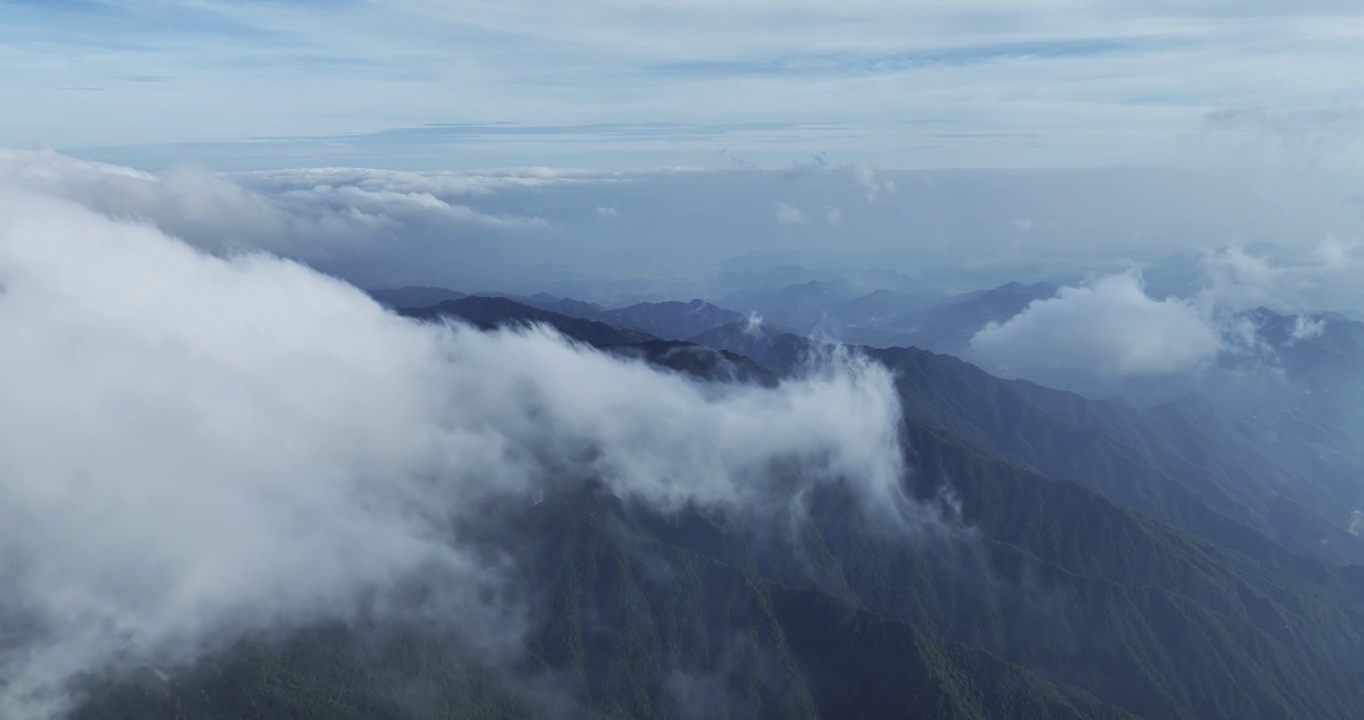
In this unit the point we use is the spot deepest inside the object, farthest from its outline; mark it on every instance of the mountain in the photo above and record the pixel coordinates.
(885, 317)
(1197, 465)
(674, 320)
(876, 305)
(1191, 464)
(1061, 605)
(802, 306)
(563, 306)
(1082, 559)
(1302, 380)
(780, 351)
(691, 636)
(413, 297)
(1311, 347)
(489, 313)
(666, 320)
(494, 312)
(949, 325)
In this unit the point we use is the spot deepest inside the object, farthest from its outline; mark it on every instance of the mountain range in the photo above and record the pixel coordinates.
(1100, 561)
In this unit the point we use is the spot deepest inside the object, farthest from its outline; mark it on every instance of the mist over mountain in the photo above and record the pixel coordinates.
(1005, 552)
(396, 448)
(676, 320)
(823, 440)
(684, 359)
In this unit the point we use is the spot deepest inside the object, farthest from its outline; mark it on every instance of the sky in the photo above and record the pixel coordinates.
(428, 85)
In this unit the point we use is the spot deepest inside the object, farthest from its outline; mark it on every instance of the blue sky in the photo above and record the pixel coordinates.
(421, 84)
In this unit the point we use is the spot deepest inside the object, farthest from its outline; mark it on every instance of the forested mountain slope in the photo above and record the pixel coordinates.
(1074, 560)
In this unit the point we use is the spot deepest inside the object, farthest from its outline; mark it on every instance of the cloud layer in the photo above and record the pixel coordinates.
(194, 448)
(1110, 328)
(662, 233)
(371, 226)
(911, 84)
(1113, 328)
(280, 212)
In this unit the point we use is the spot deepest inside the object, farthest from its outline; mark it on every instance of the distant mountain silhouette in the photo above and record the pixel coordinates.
(697, 360)
(675, 320)
(887, 318)
(801, 307)
(414, 297)
(782, 352)
(494, 312)
(948, 325)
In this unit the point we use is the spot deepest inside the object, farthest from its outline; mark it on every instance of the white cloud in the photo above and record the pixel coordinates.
(308, 214)
(607, 213)
(753, 323)
(371, 227)
(1337, 255)
(1112, 329)
(1108, 329)
(447, 185)
(833, 217)
(789, 214)
(1327, 277)
(866, 178)
(1239, 279)
(1306, 328)
(194, 447)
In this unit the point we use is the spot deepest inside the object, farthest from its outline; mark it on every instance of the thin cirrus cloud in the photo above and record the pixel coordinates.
(967, 84)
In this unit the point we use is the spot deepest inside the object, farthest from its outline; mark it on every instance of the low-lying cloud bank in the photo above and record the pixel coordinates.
(287, 213)
(1110, 328)
(195, 448)
(348, 222)
(1113, 329)
(662, 233)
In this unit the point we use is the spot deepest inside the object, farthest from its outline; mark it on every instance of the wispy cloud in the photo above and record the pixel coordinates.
(517, 228)
(334, 219)
(789, 214)
(865, 176)
(145, 78)
(1057, 82)
(858, 63)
